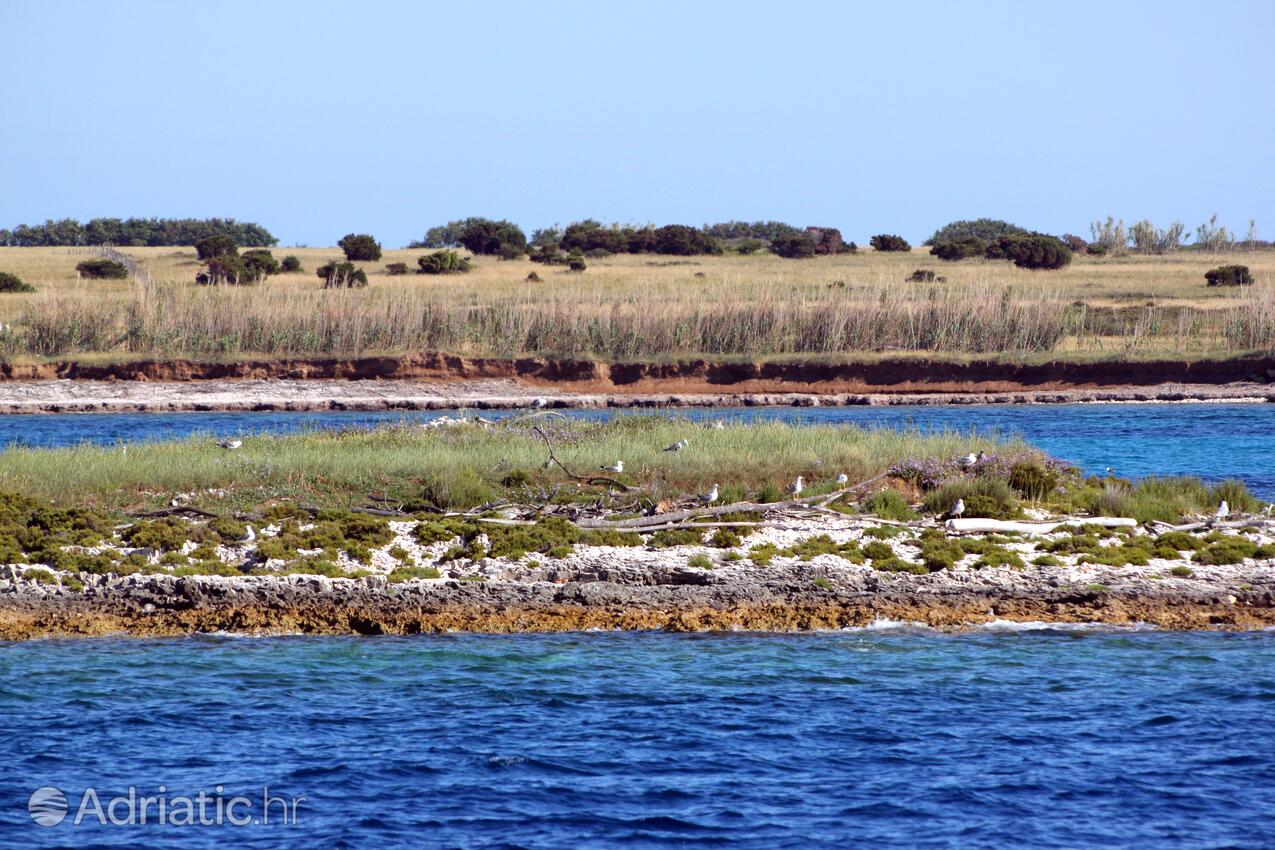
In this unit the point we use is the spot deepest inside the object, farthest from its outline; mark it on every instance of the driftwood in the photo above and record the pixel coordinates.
(1252, 522)
(588, 479)
(978, 525)
(184, 510)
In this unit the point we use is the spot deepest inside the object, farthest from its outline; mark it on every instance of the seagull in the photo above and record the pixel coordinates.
(957, 509)
(797, 487)
(718, 425)
(969, 460)
(249, 535)
(618, 466)
(1268, 509)
(1111, 471)
(540, 402)
(711, 496)
(843, 479)
(678, 446)
(230, 444)
(1223, 510)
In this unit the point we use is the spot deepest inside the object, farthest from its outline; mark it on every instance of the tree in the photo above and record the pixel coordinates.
(1212, 237)
(985, 229)
(226, 268)
(1109, 238)
(260, 263)
(291, 264)
(683, 240)
(499, 238)
(136, 231)
(828, 241)
(889, 242)
(1148, 240)
(360, 247)
(215, 246)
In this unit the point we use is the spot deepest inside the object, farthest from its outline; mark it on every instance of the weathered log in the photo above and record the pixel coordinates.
(982, 526)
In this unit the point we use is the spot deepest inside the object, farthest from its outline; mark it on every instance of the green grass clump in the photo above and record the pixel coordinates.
(898, 565)
(822, 582)
(1046, 561)
(1159, 499)
(888, 504)
(429, 532)
(998, 556)
(1179, 541)
(724, 538)
(938, 551)
(763, 553)
(407, 573)
(610, 537)
(822, 544)
(884, 532)
(670, 537)
(878, 550)
(1181, 572)
(40, 575)
(984, 497)
(699, 561)
(1232, 550)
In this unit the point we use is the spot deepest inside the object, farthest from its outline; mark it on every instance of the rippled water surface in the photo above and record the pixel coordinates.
(875, 738)
(1211, 440)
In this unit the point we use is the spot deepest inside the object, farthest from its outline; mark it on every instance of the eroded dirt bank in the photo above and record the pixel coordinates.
(889, 375)
(681, 600)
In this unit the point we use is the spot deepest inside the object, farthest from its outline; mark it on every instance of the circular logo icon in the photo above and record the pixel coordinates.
(47, 806)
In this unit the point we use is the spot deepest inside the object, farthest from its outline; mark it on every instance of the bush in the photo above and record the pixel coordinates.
(498, 238)
(959, 249)
(291, 264)
(575, 262)
(750, 246)
(341, 276)
(925, 276)
(259, 263)
(1032, 251)
(828, 241)
(983, 229)
(1229, 276)
(1032, 480)
(888, 504)
(984, 497)
(1075, 244)
(532, 278)
(396, 269)
(13, 283)
(443, 262)
(227, 269)
(889, 242)
(795, 246)
(681, 240)
(102, 269)
(360, 246)
(214, 246)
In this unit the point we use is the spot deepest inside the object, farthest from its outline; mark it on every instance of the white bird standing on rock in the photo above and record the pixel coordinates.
(711, 496)
(678, 446)
(957, 509)
(797, 487)
(1223, 510)
(248, 536)
(843, 479)
(230, 444)
(618, 466)
(969, 460)
(540, 402)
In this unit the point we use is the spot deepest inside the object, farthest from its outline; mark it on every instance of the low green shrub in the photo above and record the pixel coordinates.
(360, 247)
(699, 561)
(889, 242)
(959, 249)
(1046, 561)
(40, 575)
(999, 557)
(677, 537)
(101, 268)
(443, 262)
(291, 264)
(408, 573)
(341, 275)
(1030, 251)
(1181, 572)
(984, 497)
(12, 283)
(888, 504)
(1232, 550)
(1233, 275)
(898, 565)
(396, 269)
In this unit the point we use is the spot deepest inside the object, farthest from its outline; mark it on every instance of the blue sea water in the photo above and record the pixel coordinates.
(1214, 441)
(878, 738)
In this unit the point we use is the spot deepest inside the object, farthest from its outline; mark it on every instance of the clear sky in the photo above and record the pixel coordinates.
(320, 118)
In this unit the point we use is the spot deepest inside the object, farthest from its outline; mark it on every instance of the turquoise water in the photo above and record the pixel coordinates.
(873, 738)
(1211, 440)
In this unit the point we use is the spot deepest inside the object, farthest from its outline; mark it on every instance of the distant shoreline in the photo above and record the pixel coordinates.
(320, 395)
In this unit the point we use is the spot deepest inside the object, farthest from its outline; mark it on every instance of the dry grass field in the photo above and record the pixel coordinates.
(647, 307)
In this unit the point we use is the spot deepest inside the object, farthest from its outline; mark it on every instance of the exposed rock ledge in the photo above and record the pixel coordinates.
(279, 394)
(673, 598)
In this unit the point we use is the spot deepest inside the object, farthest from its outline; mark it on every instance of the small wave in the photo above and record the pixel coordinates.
(1042, 626)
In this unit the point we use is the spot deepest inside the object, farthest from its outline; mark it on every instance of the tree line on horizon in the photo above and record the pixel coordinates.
(135, 232)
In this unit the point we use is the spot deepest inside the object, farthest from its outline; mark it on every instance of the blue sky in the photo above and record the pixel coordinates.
(321, 118)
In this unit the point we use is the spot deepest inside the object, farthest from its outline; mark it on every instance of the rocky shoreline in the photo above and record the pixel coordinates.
(583, 594)
(320, 394)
